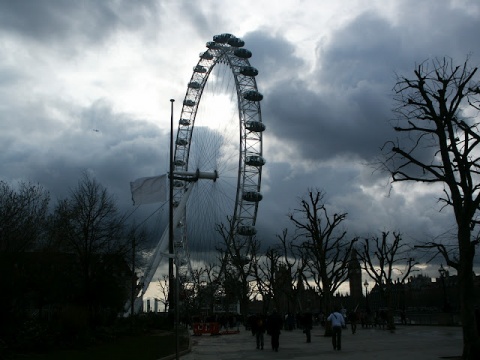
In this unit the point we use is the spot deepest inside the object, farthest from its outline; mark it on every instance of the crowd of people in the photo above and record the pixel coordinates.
(274, 323)
(269, 326)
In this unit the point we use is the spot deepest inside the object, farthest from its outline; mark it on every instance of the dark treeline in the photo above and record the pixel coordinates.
(64, 268)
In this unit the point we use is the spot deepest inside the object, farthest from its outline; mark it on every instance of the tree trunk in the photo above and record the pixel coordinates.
(390, 320)
(327, 310)
(471, 340)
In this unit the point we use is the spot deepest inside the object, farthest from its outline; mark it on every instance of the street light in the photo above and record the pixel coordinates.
(366, 295)
(171, 252)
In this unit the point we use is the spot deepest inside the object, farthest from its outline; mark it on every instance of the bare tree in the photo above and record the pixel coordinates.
(23, 219)
(163, 286)
(237, 265)
(23, 214)
(326, 249)
(88, 224)
(289, 264)
(438, 110)
(382, 260)
(137, 236)
(275, 274)
(208, 280)
(264, 269)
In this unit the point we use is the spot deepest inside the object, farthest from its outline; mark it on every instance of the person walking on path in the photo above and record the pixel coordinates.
(258, 329)
(338, 322)
(307, 325)
(274, 325)
(353, 317)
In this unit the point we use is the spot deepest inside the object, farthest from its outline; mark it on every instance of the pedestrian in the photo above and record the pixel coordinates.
(274, 325)
(353, 317)
(307, 325)
(258, 329)
(338, 322)
(403, 317)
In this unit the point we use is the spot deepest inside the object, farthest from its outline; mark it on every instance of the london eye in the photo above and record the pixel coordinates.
(219, 138)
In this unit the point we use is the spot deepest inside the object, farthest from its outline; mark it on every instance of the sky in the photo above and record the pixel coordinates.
(85, 86)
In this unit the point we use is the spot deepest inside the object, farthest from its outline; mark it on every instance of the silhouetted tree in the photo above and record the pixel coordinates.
(23, 215)
(89, 225)
(238, 255)
(163, 286)
(325, 247)
(264, 269)
(383, 259)
(438, 111)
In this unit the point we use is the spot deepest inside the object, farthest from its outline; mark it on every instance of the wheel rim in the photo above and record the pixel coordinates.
(225, 58)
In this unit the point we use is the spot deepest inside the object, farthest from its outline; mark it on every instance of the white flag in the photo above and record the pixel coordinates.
(149, 190)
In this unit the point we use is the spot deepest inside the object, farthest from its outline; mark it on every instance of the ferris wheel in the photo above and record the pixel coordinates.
(218, 156)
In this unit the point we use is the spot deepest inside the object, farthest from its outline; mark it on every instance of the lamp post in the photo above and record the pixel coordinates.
(171, 251)
(366, 296)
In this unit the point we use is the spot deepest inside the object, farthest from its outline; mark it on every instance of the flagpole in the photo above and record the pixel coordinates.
(170, 211)
(172, 285)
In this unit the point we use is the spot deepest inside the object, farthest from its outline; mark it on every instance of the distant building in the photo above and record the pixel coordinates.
(355, 278)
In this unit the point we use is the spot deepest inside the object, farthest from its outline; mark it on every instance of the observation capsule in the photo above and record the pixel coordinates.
(252, 95)
(194, 85)
(181, 142)
(255, 160)
(189, 103)
(222, 38)
(178, 183)
(243, 53)
(179, 162)
(200, 69)
(206, 55)
(184, 122)
(248, 71)
(254, 125)
(236, 42)
(252, 196)
(212, 45)
(246, 230)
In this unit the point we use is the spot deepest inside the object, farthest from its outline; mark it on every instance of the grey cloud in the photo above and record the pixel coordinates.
(325, 126)
(64, 21)
(273, 56)
(56, 154)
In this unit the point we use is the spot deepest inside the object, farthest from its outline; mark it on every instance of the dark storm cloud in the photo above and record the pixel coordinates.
(343, 115)
(347, 115)
(273, 56)
(328, 126)
(87, 21)
(348, 112)
(122, 150)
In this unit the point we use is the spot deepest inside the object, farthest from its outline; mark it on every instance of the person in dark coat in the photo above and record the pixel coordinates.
(308, 325)
(274, 325)
(353, 317)
(258, 329)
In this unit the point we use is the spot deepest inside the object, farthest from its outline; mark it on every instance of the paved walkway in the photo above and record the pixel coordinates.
(407, 343)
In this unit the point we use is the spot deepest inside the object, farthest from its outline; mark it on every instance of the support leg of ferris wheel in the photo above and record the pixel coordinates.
(162, 244)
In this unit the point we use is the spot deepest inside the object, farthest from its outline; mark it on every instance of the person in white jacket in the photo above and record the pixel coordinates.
(338, 322)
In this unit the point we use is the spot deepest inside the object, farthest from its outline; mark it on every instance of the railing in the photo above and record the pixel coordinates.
(433, 319)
